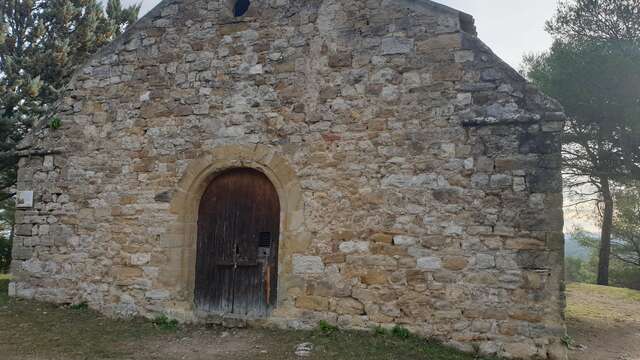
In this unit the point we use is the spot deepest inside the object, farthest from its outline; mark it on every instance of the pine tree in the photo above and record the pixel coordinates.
(593, 69)
(41, 44)
(626, 227)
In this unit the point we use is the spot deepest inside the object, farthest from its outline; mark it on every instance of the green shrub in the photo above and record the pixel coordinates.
(577, 270)
(7, 212)
(80, 306)
(400, 332)
(326, 328)
(164, 323)
(5, 254)
(379, 330)
(476, 350)
(55, 123)
(567, 341)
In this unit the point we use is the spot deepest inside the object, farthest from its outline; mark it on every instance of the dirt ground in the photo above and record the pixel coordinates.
(604, 323)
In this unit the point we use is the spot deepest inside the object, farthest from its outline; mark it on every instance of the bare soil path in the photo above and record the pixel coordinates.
(603, 322)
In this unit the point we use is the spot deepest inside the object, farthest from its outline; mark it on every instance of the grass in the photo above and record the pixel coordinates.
(4, 288)
(79, 333)
(604, 303)
(611, 292)
(379, 345)
(603, 319)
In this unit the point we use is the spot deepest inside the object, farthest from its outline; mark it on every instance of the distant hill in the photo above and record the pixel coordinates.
(572, 248)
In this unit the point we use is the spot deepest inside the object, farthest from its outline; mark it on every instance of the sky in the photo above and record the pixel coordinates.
(512, 28)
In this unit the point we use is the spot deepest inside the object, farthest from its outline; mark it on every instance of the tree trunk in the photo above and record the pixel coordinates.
(605, 238)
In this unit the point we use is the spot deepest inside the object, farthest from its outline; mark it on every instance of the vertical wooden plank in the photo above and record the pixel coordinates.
(232, 276)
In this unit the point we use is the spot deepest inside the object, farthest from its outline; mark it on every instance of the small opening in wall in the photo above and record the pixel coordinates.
(468, 24)
(241, 7)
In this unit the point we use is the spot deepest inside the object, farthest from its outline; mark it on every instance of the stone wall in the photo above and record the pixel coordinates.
(420, 175)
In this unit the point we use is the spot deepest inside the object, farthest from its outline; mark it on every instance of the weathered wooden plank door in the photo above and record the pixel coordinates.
(237, 253)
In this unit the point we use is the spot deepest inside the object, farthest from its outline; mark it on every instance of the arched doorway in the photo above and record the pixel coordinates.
(237, 246)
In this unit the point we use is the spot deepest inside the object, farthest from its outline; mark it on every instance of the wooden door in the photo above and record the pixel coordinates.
(237, 253)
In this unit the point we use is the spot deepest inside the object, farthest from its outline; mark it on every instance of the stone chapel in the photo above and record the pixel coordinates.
(281, 162)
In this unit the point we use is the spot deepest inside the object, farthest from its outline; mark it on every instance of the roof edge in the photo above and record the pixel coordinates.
(467, 25)
(467, 21)
(41, 123)
(123, 38)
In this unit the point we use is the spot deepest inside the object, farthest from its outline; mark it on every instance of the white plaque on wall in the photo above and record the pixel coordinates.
(24, 199)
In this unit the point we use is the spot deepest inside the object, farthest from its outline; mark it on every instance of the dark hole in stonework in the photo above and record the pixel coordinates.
(264, 239)
(163, 197)
(468, 24)
(241, 7)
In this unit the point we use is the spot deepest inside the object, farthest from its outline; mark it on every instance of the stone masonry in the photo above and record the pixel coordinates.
(419, 175)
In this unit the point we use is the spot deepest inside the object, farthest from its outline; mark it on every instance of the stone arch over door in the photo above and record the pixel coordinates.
(180, 241)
